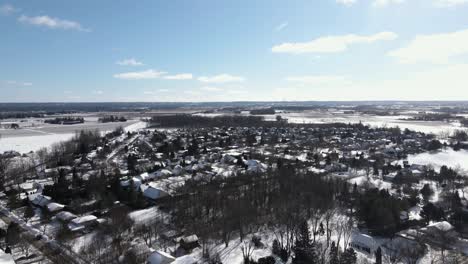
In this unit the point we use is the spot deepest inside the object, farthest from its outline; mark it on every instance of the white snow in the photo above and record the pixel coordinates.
(31, 143)
(6, 258)
(448, 157)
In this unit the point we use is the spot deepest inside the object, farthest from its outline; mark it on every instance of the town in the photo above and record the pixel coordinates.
(235, 189)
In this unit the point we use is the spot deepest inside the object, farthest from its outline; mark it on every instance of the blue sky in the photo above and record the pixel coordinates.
(212, 50)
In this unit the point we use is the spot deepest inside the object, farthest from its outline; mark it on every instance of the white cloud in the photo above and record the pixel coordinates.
(98, 92)
(7, 9)
(18, 83)
(155, 92)
(221, 78)
(384, 3)
(130, 62)
(346, 2)
(140, 75)
(237, 92)
(442, 82)
(152, 74)
(281, 26)
(192, 92)
(211, 89)
(50, 22)
(436, 48)
(182, 76)
(450, 3)
(332, 44)
(320, 80)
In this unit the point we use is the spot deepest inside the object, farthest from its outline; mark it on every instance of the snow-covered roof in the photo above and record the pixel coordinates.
(364, 240)
(65, 216)
(185, 260)
(84, 219)
(27, 186)
(153, 192)
(190, 239)
(160, 257)
(442, 226)
(54, 207)
(41, 200)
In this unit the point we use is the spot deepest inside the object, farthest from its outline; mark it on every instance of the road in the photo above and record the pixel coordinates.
(120, 147)
(50, 248)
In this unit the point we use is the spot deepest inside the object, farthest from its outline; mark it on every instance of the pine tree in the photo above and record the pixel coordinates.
(13, 201)
(378, 256)
(28, 213)
(304, 249)
(303, 237)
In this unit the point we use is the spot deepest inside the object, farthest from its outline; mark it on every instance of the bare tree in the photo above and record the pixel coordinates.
(344, 230)
(328, 216)
(247, 250)
(4, 165)
(94, 251)
(24, 246)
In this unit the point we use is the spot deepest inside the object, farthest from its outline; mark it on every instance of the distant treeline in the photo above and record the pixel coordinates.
(264, 111)
(202, 121)
(433, 117)
(20, 115)
(65, 120)
(185, 120)
(464, 122)
(111, 118)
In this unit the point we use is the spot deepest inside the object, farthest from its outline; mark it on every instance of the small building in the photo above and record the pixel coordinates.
(189, 242)
(363, 243)
(55, 207)
(185, 260)
(65, 216)
(40, 200)
(82, 222)
(160, 257)
(153, 192)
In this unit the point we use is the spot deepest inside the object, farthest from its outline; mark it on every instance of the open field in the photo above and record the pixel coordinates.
(34, 134)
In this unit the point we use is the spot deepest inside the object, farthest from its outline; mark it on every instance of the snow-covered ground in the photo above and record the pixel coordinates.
(31, 143)
(448, 157)
(145, 216)
(39, 139)
(314, 117)
(135, 127)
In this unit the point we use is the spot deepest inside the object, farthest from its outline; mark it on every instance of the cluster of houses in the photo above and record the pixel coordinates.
(167, 159)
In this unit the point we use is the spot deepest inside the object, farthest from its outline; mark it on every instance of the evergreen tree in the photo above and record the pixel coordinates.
(13, 201)
(13, 234)
(28, 213)
(378, 256)
(304, 249)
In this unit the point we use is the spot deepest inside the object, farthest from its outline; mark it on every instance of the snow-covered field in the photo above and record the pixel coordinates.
(31, 143)
(315, 117)
(449, 157)
(25, 139)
